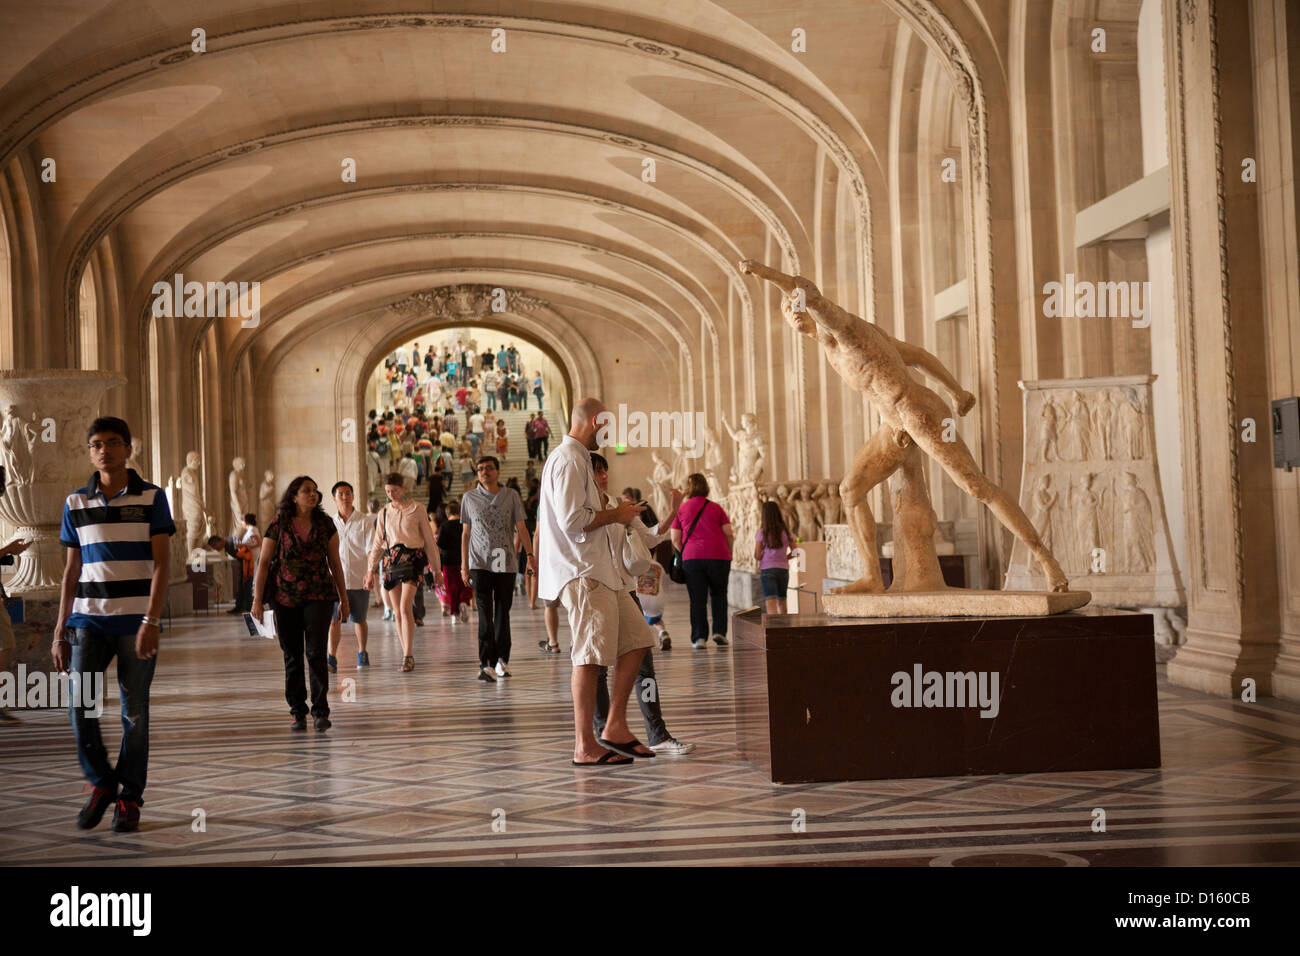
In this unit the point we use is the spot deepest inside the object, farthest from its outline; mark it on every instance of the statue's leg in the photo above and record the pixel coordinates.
(874, 462)
(917, 567)
(923, 416)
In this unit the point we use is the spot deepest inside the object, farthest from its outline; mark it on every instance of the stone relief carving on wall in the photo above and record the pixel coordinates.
(1094, 492)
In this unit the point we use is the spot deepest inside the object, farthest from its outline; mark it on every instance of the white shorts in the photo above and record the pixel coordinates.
(604, 624)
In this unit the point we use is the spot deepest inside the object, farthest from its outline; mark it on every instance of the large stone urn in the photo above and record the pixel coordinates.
(44, 414)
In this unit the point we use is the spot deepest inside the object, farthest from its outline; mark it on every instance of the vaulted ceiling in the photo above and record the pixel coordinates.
(528, 164)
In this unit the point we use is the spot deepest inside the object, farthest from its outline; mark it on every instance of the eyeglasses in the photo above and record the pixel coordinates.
(101, 445)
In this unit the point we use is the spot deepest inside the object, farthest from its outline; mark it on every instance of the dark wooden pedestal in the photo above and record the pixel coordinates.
(816, 697)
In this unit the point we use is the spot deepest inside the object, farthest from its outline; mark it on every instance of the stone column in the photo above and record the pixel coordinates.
(1232, 575)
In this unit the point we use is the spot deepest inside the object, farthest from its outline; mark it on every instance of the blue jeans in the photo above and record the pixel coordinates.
(646, 689)
(706, 583)
(91, 653)
(475, 439)
(491, 400)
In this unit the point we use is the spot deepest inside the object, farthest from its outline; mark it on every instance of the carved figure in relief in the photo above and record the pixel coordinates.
(876, 365)
(1086, 507)
(1136, 526)
(1050, 415)
(806, 511)
(17, 440)
(1075, 444)
(828, 495)
(1045, 499)
(1103, 423)
(784, 501)
(1131, 429)
(751, 450)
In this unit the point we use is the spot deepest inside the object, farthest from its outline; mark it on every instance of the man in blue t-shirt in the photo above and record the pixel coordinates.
(116, 530)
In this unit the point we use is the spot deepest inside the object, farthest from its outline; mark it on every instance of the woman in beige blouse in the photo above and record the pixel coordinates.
(403, 528)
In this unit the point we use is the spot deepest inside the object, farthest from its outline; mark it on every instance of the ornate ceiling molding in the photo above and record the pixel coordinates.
(466, 302)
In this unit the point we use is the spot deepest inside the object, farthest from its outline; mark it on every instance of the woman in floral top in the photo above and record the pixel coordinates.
(303, 545)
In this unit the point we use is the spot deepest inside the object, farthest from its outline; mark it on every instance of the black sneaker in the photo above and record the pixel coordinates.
(485, 674)
(332, 663)
(95, 808)
(323, 724)
(299, 723)
(720, 640)
(126, 816)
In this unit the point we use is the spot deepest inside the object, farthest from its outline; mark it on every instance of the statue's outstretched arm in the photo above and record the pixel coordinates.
(785, 283)
(919, 357)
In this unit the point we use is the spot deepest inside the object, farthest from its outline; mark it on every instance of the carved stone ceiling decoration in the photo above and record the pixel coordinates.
(466, 302)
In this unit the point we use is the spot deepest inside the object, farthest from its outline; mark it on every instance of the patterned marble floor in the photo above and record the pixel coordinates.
(419, 768)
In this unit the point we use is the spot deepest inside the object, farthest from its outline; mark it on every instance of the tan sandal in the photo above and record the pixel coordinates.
(408, 664)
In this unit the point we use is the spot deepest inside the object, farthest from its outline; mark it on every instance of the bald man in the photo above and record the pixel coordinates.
(579, 547)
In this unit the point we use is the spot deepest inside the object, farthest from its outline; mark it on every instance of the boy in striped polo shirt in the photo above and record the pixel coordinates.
(116, 530)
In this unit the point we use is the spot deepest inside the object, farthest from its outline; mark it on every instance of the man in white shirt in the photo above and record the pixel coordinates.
(355, 531)
(580, 549)
(475, 435)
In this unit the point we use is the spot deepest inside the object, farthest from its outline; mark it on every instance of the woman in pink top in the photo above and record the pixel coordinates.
(705, 545)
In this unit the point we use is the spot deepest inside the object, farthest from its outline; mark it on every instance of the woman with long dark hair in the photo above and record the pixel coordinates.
(772, 547)
(301, 549)
(405, 538)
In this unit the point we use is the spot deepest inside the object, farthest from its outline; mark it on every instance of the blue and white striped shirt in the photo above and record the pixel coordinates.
(116, 551)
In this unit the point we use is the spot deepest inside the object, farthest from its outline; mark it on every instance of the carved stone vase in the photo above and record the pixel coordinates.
(44, 414)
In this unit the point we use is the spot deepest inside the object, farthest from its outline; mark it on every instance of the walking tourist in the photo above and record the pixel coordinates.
(300, 571)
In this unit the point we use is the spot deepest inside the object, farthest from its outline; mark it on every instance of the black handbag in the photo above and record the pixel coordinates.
(405, 568)
(675, 570)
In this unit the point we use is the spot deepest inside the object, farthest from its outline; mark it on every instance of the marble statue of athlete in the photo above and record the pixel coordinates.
(875, 364)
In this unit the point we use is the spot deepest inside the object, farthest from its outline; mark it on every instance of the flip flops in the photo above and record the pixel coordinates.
(627, 749)
(609, 760)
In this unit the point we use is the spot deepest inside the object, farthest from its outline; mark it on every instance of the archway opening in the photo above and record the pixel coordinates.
(471, 390)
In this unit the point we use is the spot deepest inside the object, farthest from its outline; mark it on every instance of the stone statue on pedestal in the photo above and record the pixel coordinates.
(751, 450)
(192, 505)
(240, 500)
(266, 501)
(913, 421)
